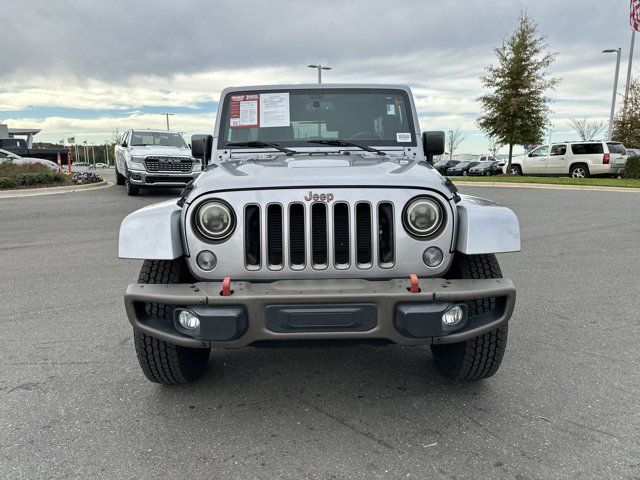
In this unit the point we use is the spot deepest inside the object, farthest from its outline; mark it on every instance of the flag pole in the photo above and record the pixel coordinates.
(626, 88)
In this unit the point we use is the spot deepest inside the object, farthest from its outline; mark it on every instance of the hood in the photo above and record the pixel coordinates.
(281, 171)
(145, 150)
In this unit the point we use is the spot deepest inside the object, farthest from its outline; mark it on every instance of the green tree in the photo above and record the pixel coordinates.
(516, 110)
(626, 126)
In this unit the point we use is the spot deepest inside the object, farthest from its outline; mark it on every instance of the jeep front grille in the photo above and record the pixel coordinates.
(299, 235)
(168, 164)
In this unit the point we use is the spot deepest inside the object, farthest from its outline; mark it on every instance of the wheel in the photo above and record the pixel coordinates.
(132, 190)
(464, 173)
(515, 170)
(165, 362)
(579, 170)
(120, 180)
(479, 357)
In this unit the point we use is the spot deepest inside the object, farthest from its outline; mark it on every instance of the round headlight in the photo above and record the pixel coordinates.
(215, 220)
(423, 217)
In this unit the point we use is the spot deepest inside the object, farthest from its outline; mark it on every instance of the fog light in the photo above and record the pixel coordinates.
(432, 257)
(453, 316)
(206, 260)
(188, 320)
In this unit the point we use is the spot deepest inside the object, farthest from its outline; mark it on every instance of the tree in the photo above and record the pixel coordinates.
(516, 110)
(454, 140)
(494, 146)
(585, 129)
(626, 126)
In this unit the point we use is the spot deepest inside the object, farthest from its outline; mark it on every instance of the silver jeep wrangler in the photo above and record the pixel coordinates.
(319, 219)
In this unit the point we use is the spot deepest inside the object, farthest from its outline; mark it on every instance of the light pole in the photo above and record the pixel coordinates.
(450, 144)
(167, 115)
(320, 68)
(615, 88)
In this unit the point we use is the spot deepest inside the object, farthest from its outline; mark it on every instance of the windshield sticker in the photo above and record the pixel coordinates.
(274, 110)
(243, 111)
(403, 137)
(391, 109)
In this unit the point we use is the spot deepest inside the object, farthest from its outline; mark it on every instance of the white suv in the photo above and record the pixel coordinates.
(576, 159)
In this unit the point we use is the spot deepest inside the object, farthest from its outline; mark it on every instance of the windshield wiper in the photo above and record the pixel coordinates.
(261, 144)
(344, 143)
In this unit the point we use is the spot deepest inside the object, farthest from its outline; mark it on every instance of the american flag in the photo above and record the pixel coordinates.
(634, 15)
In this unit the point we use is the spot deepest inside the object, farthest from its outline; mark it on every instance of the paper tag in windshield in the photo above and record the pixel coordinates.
(403, 137)
(274, 110)
(243, 111)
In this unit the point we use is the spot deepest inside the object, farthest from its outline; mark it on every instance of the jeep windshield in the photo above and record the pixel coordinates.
(333, 117)
(163, 139)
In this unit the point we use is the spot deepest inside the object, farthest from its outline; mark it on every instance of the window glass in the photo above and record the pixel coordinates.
(368, 116)
(587, 148)
(617, 148)
(558, 150)
(540, 151)
(165, 139)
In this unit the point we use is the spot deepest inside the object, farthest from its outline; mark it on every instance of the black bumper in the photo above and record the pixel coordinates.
(320, 309)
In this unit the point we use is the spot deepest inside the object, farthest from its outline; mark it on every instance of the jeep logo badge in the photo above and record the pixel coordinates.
(323, 197)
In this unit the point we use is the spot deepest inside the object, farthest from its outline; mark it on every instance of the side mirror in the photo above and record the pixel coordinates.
(123, 144)
(432, 144)
(530, 155)
(201, 147)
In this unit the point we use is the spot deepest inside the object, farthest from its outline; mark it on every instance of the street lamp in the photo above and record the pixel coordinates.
(450, 144)
(320, 68)
(615, 88)
(167, 115)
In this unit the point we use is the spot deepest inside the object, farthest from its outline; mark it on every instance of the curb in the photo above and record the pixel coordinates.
(36, 192)
(546, 186)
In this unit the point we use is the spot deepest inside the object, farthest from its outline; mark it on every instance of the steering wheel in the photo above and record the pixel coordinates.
(365, 136)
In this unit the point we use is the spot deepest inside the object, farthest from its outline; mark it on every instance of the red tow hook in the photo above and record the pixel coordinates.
(226, 287)
(414, 286)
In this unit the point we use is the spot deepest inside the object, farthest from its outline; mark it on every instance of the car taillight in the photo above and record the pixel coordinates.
(605, 158)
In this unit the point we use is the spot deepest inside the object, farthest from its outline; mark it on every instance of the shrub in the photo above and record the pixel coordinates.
(26, 179)
(632, 167)
(9, 168)
(7, 182)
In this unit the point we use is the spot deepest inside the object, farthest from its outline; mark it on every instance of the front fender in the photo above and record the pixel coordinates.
(486, 227)
(152, 233)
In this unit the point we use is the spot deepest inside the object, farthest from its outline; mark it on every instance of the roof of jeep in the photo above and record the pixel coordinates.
(318, 86)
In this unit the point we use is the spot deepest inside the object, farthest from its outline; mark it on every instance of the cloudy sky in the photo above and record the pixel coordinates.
(85, 67)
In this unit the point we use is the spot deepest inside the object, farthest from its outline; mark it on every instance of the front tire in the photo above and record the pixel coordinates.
(132, 190)
(161, 361)
(481, 356)
(120, 180)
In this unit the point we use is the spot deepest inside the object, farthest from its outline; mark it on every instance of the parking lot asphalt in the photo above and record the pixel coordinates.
(565, 404)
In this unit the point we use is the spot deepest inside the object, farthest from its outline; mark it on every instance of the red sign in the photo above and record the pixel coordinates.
(244, 111)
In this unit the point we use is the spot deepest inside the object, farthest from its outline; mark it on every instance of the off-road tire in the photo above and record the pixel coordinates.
(132, 190)
(165, 362)
(119, 177)
(480, 357)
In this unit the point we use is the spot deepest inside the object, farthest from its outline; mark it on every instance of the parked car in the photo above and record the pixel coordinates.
(98, 165)
(80, 164)
(154, 158)
(633, 152)
(486, 168)
(443, 165)
(577, 159)
(294, 236)
(461, 168)
(18, 160)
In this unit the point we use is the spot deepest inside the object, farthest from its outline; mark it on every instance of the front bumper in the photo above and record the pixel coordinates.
(161, 179)
(320, 309)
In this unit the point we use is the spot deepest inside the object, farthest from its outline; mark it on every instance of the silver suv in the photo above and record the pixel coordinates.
(319, 219)
(577, 159)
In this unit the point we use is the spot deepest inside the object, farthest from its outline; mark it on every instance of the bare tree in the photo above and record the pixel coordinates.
(494, 146)
(586, 129)
(117, 136)
(454, 141)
